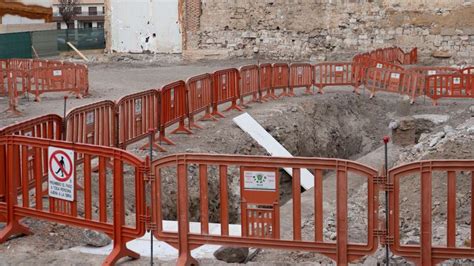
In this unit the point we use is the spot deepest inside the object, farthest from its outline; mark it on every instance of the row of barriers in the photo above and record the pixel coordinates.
(94, 132)
(97, 200)
(34, 76)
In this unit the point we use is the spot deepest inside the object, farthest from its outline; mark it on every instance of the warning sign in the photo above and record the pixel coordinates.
(395, 75)
(259, 180)
(431, 72)
(379, 65)
(57, 73)
(61, 173)
(339, 68)
(457, 81)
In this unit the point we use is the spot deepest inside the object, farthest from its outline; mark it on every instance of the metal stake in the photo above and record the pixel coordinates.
(386, 139)
(64, 118)
(150, 139)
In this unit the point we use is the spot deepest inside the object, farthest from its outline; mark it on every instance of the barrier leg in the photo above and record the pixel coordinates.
(208, 116)
(154, 145)
(308, 91)
(120, 251)
(13, 228)
(215, 111)
(320, 89)
(286, 93)
(181, 129)
(234, 106)
(270, 95)
(162, 137)
(192, 124)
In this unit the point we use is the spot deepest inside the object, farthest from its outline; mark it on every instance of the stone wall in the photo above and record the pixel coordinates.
(328, 29)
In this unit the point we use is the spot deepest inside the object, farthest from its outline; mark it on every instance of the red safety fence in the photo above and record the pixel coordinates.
(448, 86)
(226, 89)
(63, 78)
(46, 127)
(425, 252)
(333, 74)
(199, 98)
(429, 71)
(259, 205)
(381, 79)
(173, 109)
(280, 78)
(249, 83)
(413, 85)
(67, 203)
(138, 117)
(468, 71)
(92, 124)
(265, 80)
(301, 75)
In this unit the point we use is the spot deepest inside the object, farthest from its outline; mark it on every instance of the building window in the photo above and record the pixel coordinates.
(100, 25)
(87, 25)
(58, 25)
(77, 10)
(92, 11)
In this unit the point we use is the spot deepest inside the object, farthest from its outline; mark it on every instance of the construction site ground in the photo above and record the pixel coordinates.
(337, 124)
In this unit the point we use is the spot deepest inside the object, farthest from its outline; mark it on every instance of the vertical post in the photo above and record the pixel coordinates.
(386, 139)
(64, 118)
(150, 140)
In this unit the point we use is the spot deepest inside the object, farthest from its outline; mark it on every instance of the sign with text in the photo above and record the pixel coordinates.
(260, 180)
(61, 173)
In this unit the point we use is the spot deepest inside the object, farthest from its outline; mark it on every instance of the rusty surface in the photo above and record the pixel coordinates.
(29, 11)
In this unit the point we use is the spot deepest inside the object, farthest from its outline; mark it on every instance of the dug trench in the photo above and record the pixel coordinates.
(338, 124)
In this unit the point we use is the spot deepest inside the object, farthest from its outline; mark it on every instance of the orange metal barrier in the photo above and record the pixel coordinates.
(74, 207)
(333, 74)
(280, 78)
(381, 79)
(259, 204)
(92, 124)
(413, 85)
(448, 86)
(301, 75)
(47, 127)
(265, 82)
(199, 98)
(425, 253)
(249, 83)
(226, 89)
(57, 79)
(138, 117)
(173, 109)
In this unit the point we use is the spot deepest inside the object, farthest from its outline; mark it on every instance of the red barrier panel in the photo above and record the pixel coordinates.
(280, 78)
(381, 79)
(448, 86)
(333, 74)
(413, 85)
(425, 252)
(57, 79)
(173, 109)
(226, 89)
(301, 75)
(259, 205)
(265, 81)
(47, 127)
(15, 83)
(249, 83)
(92, 124)
(200, 98)
(67, 204)
(138, 117)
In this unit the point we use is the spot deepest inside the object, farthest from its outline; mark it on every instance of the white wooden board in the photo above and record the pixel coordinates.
(259, 134)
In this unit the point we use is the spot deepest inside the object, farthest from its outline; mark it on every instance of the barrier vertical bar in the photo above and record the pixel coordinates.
(425, 235)
(386, 139)
(451, 208)
(224, 211)
(341, 211)
(296, 187)
(318, 205)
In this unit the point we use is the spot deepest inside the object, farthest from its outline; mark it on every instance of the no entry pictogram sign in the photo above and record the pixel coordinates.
(61, 173)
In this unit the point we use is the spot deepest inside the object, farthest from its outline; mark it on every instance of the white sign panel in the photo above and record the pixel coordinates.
(395, 76)
(432, 72)
(339, 68)
(259, 180)
(61, 173)
(457, 81)
(379, 65)
(57, 73)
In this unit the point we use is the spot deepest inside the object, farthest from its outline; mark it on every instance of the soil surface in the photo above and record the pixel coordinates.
(337, 124)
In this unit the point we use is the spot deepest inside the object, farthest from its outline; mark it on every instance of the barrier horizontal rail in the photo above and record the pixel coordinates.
(66, 209)
(429, 71)
(426, 253)
(261, 206)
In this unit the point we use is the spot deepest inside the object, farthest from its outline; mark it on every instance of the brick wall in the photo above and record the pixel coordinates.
(324, 29)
